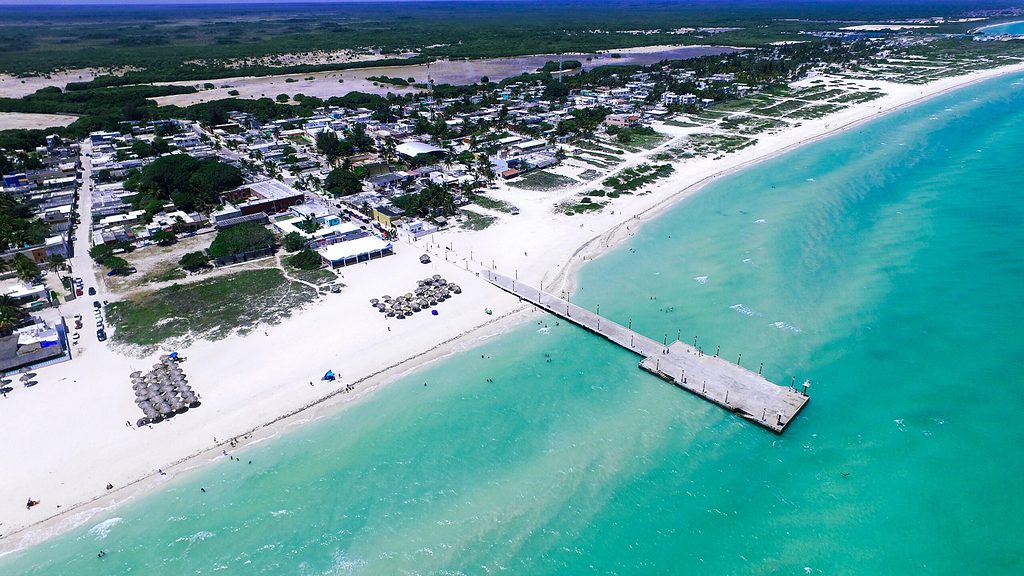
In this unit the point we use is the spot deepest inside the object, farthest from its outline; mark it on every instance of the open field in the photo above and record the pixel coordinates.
(18, 120)
(209, 310)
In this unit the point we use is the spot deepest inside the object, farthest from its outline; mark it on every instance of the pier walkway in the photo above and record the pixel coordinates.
(724, 383)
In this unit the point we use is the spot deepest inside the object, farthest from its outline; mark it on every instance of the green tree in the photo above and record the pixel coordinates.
(293, 242)
(305, 260)
(57, 262)
(10, 314)
(164, 238)
(193, 261)
(101, 252)
(116, 264)
(239, 239)
(190, 183)
(25, 268)
(343, 181)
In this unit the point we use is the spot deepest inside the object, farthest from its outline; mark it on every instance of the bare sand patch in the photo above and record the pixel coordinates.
(15, 120)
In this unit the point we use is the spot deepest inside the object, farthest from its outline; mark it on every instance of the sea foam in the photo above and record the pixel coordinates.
(102, 530)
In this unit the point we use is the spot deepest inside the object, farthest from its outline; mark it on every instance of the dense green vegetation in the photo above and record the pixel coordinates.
(223, 40)
(305, 259)
(193, 261)
(210, 309)
(433, 200)
(189, 183)
(389, 80)
(240, 239)
(343, 181)
(293, 242)
(18, 226)
(555, 66)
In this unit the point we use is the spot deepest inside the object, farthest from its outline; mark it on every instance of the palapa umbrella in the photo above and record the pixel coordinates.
(136, 374)
(165, 409)
(141, 422)
(436, 277)
(26, 377)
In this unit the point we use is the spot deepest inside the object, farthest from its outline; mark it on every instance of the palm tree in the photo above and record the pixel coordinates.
(9, 318)
(25, 268)
(57, 262)
(10, 314)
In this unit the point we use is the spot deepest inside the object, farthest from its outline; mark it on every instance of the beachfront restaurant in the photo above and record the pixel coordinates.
(355, 251)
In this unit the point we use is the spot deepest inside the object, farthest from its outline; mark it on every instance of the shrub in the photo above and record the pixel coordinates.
(194, 261)
(305, 260)
(293, 242)
(240, 239)
(116, 264)
(164, 238)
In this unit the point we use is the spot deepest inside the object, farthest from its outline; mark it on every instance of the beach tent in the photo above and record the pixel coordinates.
(329, 375)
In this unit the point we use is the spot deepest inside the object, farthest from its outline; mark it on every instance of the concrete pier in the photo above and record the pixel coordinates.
(716, 380)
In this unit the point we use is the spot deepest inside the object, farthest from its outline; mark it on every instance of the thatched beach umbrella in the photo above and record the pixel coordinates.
(136, 374)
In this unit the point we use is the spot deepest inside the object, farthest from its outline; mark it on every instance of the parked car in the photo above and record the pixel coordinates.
(78, 292)
(96, 304)
(101, 335)
(92, 291)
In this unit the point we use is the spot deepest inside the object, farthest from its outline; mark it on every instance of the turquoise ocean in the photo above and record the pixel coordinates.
(1008, 28)
(884, 264)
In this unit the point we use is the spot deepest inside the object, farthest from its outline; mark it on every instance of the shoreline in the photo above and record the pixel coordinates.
(987, 26)
(565, 272)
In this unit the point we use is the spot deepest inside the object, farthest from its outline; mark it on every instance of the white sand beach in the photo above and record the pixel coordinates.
(67, 437)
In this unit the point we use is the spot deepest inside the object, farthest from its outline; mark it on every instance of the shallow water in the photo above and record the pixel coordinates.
(883, 264)
(1008, 28)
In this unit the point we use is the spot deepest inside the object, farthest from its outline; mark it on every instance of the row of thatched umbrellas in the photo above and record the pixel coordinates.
(26, 379)
(429, 292)
(163, 391)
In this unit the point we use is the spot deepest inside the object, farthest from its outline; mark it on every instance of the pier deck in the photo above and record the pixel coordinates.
(723, 383)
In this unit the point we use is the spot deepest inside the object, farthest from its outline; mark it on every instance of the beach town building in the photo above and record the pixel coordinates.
(267, 196)
(387, 215)
(355, 251)
(32, 345)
